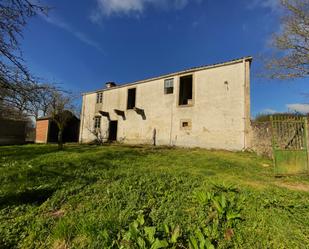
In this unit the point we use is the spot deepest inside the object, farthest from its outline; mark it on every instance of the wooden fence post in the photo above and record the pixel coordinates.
(307, 141)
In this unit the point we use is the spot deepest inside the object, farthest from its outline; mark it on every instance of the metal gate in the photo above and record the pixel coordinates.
(289, 142)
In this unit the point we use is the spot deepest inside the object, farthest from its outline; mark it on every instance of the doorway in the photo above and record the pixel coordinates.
(112, 134)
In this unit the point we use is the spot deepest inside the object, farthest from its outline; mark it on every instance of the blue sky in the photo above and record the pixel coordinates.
(83, 44)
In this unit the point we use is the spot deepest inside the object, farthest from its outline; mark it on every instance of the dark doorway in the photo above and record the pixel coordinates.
(113, 126)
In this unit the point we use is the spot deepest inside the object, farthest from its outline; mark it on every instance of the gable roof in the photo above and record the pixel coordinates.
(49, 117)
(189, 70)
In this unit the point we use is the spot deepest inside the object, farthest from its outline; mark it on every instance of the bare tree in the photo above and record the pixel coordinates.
(13, 18)
(28, 98)
(61, 110)
(15, 79)
(44, 98)
(100, 135)
(292, 43)
(41, 98)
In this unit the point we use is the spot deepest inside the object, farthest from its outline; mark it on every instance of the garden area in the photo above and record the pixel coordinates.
(147, 197)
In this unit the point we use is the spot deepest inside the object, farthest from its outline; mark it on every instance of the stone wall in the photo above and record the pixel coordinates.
(261, 138)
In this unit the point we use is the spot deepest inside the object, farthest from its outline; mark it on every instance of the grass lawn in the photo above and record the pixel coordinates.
(143, 197)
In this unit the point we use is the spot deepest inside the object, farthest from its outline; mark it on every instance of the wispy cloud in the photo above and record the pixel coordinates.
(302, 108)
(273, 5)
(127, 7)
(69, 28)
(268, 111)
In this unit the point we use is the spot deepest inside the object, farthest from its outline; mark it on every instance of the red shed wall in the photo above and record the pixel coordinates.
(41, 131)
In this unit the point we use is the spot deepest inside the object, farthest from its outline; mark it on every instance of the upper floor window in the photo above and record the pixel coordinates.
(131, 98)
(168, 86)
(99, 97)
(185, 90)
(97, 122)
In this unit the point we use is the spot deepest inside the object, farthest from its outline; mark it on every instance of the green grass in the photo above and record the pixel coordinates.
(114, 196)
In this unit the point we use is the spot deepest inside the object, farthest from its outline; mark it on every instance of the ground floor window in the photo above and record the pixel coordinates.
(97, 122)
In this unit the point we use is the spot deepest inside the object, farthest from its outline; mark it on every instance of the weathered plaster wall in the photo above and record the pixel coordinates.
(218, 115)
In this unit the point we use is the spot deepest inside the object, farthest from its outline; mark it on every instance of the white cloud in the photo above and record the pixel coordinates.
(79, 35)
(302, 108)
(117, 7)
(120, 6)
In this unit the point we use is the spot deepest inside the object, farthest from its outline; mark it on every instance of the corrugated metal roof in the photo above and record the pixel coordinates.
(192, 69)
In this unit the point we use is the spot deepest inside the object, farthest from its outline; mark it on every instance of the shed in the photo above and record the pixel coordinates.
(47, 130)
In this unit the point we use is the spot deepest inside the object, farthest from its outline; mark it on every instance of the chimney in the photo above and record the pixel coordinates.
(110, 84)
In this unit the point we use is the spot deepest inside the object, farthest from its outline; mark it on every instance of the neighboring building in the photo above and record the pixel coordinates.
(207, 106)
(12, 131)
(47, 130)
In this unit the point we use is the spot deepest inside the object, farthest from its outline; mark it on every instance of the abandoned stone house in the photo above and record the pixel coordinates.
(207, 106)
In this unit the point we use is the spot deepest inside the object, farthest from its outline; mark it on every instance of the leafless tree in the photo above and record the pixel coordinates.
(15, 79)
(292, 43)
(13, 18)
(100, 136)
(61, 110)
(28, 98)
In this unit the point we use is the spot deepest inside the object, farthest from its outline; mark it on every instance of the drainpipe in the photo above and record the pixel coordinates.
(172, 105)
(82, 120)
(246, 103)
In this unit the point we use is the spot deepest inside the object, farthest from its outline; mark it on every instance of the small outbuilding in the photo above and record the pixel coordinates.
(12, 131)
(47, 130)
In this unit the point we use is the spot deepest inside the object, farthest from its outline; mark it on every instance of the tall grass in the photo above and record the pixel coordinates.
(143, 197)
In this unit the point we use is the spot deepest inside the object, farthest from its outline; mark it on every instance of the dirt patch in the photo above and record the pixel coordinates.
(265, 165)
(60, 244)
(293, 186)
(255, 184)
(57, 214)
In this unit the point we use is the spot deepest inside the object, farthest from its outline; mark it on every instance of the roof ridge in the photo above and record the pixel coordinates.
(174, 73)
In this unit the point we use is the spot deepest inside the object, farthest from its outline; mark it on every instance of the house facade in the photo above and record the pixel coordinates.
(207, 106)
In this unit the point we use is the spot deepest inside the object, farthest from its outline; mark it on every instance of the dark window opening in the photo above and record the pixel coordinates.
(185, 124)
(185, 90)
(99, 98)
(131, 98)
(97, 122)
(168, 86)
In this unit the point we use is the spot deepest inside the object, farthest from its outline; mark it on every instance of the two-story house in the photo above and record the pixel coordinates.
(207, 106)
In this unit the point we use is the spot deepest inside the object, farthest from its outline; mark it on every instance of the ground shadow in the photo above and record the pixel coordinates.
(26, 152)
(33, 196)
